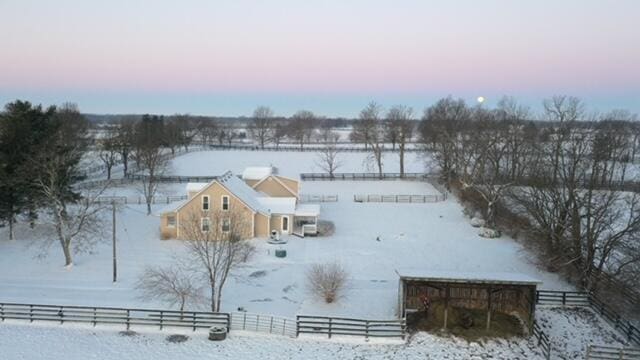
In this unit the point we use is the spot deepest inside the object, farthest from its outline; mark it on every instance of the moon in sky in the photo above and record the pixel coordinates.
(480, 99)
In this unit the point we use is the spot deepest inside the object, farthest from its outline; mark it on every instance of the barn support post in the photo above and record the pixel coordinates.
(446, 306)
(489, 296)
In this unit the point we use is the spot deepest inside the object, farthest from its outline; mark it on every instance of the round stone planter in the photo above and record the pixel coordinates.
(280, 253)
(217, 333)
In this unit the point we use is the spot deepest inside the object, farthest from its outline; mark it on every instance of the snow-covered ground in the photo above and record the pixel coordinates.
(79, 343)
(571, 330)
(372, 240)
(287, 163)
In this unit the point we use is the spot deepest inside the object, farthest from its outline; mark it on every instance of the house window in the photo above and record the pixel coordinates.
(226, 225)
(206, 224)
(171, 221)
(205, 203)
(225, 203)
(285, 224)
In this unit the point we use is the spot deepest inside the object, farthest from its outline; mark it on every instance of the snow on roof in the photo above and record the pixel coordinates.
(243, 191)
(257, 172)
(307, 210)
(170, 207)
(284, 205)
(191, 187)
(477, 277)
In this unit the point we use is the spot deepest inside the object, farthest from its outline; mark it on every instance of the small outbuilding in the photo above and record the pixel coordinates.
(497, 303)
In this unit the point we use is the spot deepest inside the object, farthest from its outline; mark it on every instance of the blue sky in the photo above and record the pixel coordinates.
(332, 57)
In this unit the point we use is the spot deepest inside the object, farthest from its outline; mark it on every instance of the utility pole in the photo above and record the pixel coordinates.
(115, 265)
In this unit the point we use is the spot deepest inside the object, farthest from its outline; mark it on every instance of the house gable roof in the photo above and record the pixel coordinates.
(237, 188)
(275, 177)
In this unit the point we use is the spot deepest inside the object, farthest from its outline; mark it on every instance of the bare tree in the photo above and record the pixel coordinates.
(149, 157)
(125, 130)
(76, 220)
(279, 132)
(371, 116)
(440, 131)
(172, 285)
(261, 126)
(328, 158)
(215, 246)
(152, 164)
(399, 130)
(302, 126)
(327, 281)
(109, 150)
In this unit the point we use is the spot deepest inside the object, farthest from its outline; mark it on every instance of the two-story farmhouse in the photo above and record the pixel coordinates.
(265, 201)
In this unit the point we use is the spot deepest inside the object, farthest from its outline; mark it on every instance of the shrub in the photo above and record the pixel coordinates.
(327, 280)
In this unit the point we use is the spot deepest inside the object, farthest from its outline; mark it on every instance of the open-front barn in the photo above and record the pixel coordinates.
(492, 303)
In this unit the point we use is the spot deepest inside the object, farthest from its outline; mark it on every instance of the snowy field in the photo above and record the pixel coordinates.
(372, 240)
(288, 163)
(571, 330)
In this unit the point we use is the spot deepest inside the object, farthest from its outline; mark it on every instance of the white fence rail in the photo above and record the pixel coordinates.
(263, 323)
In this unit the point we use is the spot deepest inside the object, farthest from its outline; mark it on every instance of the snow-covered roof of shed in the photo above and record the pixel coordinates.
(467, 277)
(308, 210)
(283, 205)
(196, 186)
(256, 172)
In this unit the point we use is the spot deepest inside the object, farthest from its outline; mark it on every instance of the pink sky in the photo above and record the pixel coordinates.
(320, 48)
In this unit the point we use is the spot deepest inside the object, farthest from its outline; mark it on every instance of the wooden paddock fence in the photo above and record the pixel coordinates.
(576, 298)
(562, 298)
(363, 176)
(173, 179)
(113, 316)
(313, 198)
(263, 323)
(124, 200)
(601, 352)
(543, 340)
(306, 148)
(331, 326)
(406, 199)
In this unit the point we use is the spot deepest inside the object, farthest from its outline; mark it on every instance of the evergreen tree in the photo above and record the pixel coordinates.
(23, 127)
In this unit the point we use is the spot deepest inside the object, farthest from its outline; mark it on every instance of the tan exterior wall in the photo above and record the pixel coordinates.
(215, 193)
(261, 228)
(291, 184)
(166, 231)
(251, 182)
(276, 223)
(273, 188)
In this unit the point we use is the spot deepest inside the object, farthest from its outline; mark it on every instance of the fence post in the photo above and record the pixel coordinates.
(95, 321)
(366, 330)
(330, 326)
(564, 298)
(244, 321)
(30, 313)
(194, 321)
(128, 319)
(297, 325)
(284, 325)
(257, 321)
(271, 325)
(61, 314)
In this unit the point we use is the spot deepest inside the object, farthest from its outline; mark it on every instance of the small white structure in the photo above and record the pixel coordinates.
(257, 172)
